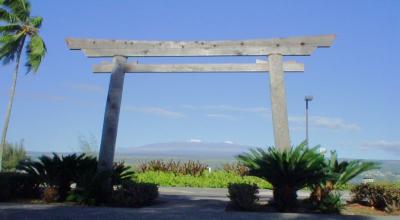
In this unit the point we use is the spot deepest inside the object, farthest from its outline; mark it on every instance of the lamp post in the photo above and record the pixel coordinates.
(307, 99)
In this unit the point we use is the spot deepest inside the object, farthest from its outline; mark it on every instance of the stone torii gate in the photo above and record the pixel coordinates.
(120, 50)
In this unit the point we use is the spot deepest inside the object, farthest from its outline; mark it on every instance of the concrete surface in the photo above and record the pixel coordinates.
(174, 203)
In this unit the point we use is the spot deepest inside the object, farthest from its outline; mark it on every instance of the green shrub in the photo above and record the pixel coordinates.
(131, 194)
(243, 196)
(18, 185)
(287, 170)
(392, 199)
(12, 155)
(194, 168)
(217, 179)
(380, 196)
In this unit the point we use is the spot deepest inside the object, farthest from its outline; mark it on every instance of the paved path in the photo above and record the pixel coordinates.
(174, 203)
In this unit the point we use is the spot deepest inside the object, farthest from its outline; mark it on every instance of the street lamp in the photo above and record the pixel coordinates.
(307, 99)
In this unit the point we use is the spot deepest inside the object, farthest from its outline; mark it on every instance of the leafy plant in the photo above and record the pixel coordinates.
(132, 194)
(194, 168)
(331, 203)
(287, 170)
(343, 172)
(217, 179)
(50, 194)
(18, 185)
(338, 174)
(236, 168)
(392, 199)
(17, 28)
(12, 155)
(58, 171)
(89, 188)
(243, 196)
(380, 196)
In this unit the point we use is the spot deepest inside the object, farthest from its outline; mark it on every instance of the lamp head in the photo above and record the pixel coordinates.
(308, 98)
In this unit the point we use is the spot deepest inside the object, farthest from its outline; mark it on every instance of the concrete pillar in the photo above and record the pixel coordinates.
(278, 100)
(111, 115)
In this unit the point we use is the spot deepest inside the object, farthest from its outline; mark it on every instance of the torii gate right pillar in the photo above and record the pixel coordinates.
(278, 102)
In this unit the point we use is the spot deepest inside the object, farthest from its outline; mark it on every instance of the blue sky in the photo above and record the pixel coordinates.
(355, 82)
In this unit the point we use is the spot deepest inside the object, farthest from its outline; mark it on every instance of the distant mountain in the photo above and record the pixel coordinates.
(215, 154)
(187, 149)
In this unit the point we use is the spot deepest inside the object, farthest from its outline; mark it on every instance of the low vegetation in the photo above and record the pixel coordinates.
(243, 197)
(131, 194)
(302, 167)
(193, 168)
(384, 197)
(323, 196)
(216, 179)
(287, 171)
(236, 168)
(13, 154)
(74, 178)
(18, 186)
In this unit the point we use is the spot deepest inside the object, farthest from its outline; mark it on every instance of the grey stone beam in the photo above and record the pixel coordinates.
(290, 66)
(111, 115)
(278, 102)
(284, 46)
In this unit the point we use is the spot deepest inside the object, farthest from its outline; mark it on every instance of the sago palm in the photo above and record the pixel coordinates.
(58, 171)
(18, 29)
(287, 170)
(339, 174)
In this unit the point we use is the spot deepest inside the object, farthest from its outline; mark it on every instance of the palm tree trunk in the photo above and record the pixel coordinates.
(10, 103)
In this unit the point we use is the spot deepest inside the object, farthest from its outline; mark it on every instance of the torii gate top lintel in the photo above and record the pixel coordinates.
(301, 46)
(275, 49)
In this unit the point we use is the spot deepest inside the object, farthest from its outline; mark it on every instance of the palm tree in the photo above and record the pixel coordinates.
(17, 28)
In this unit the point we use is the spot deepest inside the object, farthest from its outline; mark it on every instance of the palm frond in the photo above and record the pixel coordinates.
(344, 171)
(20, 8)
(10, 29)
(35, 51)
(36, 21)
(7, 17)
(353, 169)
(10, 46)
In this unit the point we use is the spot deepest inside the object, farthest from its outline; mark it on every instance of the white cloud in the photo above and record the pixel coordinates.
(384, 145)
(220, 116)
(326, 122)
(228, 142)
(195, 141)
(156, 111)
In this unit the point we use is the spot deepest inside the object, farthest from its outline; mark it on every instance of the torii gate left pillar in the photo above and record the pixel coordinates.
(111, 114)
